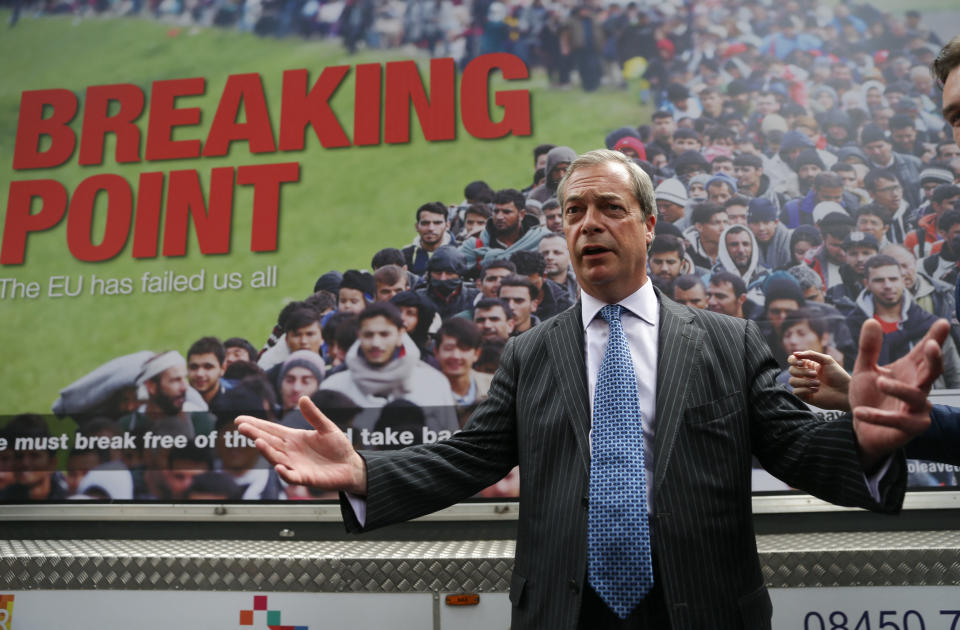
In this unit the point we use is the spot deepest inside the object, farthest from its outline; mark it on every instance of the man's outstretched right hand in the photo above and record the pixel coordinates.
(323, 458)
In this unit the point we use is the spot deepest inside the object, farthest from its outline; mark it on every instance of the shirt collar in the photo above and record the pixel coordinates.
(643, 303)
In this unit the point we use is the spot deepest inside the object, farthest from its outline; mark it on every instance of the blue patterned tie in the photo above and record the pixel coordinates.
(619, 564)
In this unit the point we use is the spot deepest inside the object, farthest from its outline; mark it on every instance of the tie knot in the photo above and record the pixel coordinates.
(611, 312)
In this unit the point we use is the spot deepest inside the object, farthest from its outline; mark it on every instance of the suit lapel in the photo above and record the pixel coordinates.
(676, 349)
(569, 365)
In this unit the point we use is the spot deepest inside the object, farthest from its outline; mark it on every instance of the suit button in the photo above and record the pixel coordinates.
(574, 587)
(585, 501)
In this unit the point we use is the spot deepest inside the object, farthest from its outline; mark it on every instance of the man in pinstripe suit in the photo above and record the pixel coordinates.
(712, 404)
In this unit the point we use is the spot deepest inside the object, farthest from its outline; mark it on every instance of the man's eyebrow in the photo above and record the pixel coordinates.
(605, 196)
(950, 110)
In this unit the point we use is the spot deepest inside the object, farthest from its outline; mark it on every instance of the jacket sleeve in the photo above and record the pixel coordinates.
(820, 457)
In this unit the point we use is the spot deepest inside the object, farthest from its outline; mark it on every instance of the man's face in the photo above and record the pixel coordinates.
(607, 231)
(387, 291)
(736, 214)
(949, 203)
(747, 176)
(541, 161)
(834, 249)
(764, 230)
(947, 152)
(711, 230)
(493, 323)
(778, 309)
(800, 249)
(179, 477)
(740, 248)
(506, 219)
(850, 179)
(430, 227)
(712, 103)
(830, 193)
(204, 371)
(767, 104)
(695, 296)
(558, 171)
(235, 354)
(518, 299)
(878, 151)
(718, 193)
(722, 299)
(169, 391)
(410, 316)
(665, 265)
(871, 224)
(697, 191)
(490, 284)
(663, 128)
(685, 144)
(455, 359)
(908, 266)
(473, 223)
(305, 338)
(379, 340)
(554, 252)
(553, 217)
(722, 166)
(669, 211)
(857, 257)
(888, 194)
(297, 382)
(886, 285)
(903, 139)
(350, 301)
(808, 172)
(800, 336)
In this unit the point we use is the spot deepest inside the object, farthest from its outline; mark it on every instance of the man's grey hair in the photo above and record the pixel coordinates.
(640, 184)
(946, 61)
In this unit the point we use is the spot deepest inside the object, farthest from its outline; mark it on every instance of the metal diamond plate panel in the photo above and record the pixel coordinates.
(796, 560)
(861, 559)
(356, 566)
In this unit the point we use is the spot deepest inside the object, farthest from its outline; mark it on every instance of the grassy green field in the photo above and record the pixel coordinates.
(348, 203)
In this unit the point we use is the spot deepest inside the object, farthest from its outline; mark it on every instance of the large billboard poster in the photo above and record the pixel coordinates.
(216, 207)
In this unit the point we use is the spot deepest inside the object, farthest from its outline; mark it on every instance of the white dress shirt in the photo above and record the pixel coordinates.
(641, 324)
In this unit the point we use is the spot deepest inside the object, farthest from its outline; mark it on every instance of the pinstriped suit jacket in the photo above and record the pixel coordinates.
(717, 404)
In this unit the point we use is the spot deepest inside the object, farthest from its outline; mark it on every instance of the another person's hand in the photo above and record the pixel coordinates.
(818, 379)
(890, 403)
(323, 458)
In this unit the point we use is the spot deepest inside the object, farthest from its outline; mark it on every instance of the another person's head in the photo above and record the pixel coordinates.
(303, 330)
(494, 318)
(389, 280)
(164, 379)
(205, 366)
(520, 294)
(237, 349)
(431, 224)
(885, 281)
(458, 347)
(380, 334)
(689, 290)
(356, 291)
(300, 375)
(726, 294)
(493, 274)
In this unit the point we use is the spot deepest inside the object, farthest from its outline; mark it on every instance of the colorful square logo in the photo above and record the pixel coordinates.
(259, 617)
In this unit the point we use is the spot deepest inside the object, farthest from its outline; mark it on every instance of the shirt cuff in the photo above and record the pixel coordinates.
(359, 505)
(873, 481)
